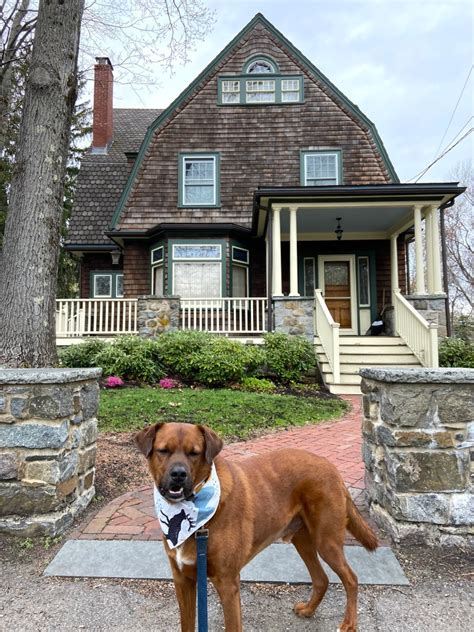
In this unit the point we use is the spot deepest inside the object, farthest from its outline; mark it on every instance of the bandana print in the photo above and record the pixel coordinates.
(181, 519)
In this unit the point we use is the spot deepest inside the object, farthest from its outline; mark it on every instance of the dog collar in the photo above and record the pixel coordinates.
(179, 520)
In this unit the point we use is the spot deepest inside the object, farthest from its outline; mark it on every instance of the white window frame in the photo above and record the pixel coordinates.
(260, 60)
(239, 261)
(198, 157)
(235, 82)
(158, 261)
(296, 91)
(309, 154)
(99, 274)
(260, 91)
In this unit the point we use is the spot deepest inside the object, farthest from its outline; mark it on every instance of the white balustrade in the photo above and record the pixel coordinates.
(328, 331)
(76, 317)
(419, 335)
(225, 315)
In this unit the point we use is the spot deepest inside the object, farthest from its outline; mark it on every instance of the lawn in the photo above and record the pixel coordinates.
(231, 413)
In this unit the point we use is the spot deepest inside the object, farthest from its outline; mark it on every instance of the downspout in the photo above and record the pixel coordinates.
(444, 258)
(270, 270)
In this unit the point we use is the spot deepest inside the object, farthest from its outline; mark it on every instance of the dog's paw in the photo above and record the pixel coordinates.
(347, 627)
(302, 609)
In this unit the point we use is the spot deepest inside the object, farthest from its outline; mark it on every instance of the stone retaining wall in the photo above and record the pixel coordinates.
(294, 316)
(157, 315)
(418, 450)
(48, 430)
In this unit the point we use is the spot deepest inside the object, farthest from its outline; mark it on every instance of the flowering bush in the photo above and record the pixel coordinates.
(167, 382)
(113, 381)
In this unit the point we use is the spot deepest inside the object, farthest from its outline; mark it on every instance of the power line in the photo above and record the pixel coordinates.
(454, 112)
(446, 151)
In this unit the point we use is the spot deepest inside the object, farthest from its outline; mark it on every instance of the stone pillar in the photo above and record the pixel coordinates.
(157, 315)
(418, 450)
(433, 309)
(294, 316)
(276, 245)
(293, 252)
(48, 431)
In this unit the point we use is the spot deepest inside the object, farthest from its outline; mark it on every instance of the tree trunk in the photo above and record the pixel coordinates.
(28, 269)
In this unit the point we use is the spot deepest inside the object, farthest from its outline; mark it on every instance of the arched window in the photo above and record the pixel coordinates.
(260, 66)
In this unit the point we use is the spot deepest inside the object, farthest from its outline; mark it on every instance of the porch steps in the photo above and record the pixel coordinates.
(363, 351)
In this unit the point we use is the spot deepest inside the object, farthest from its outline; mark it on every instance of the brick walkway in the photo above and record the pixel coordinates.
(132, 515)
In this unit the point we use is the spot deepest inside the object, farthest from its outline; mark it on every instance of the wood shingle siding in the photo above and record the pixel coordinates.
(258, 145)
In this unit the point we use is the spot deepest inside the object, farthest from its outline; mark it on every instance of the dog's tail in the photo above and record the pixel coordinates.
(359, 528)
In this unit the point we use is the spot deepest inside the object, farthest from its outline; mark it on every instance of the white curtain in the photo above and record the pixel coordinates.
(197, 279)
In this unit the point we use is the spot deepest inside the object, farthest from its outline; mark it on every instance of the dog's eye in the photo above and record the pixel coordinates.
(163, 451)
(194, 453)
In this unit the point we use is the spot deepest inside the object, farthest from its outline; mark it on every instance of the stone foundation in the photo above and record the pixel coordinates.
(294, 316)
(157, 315)
(432, 308)
(418, 450)
(48, 430)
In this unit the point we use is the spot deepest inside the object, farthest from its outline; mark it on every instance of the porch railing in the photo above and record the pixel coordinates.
(225, 315)
(77, 317)
(415, 331)
(328, 331)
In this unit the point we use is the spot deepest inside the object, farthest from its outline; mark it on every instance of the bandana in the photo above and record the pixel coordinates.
(179, 520)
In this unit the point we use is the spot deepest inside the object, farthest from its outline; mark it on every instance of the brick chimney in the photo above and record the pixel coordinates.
(103, 123)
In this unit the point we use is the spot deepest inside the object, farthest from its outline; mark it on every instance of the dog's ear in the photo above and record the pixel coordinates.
(212, 442)
(144, 439)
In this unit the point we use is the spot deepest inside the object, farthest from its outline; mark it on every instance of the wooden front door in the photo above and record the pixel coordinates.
(336, 279)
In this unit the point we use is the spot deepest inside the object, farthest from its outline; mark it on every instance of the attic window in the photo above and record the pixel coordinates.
(260, 66)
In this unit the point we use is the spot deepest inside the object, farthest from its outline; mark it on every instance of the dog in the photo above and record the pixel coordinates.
(287, 494)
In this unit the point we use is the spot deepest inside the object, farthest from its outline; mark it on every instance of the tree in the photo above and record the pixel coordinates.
(459, 228)
(29, 263)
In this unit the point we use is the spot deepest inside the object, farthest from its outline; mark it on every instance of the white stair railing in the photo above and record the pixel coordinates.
(76, 317)
(328, 331)
(225, 315)
(419, 335)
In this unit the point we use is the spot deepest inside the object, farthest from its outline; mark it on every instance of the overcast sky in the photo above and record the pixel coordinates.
(403, 62)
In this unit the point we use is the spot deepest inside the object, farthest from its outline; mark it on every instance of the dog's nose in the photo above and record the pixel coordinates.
(178, 474)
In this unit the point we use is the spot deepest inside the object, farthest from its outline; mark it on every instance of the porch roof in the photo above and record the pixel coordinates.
(373, 211)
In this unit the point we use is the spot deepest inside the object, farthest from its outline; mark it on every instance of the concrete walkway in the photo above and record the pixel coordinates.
(132, 515)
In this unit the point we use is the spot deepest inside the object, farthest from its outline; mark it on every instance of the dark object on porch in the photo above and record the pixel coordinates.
(376, 328)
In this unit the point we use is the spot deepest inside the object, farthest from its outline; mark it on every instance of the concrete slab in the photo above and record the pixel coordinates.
(279, 563)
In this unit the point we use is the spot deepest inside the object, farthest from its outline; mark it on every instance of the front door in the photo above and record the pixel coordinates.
(337, 282)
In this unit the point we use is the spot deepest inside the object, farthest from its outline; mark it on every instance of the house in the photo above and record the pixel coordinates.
(264, 199)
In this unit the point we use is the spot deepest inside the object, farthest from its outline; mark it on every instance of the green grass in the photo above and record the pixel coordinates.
(231, 413)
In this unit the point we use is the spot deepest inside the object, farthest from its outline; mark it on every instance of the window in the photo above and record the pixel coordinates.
(262, 91)
(309, 276)
(260, 66)
(197, 270)
(157, 268)
(198, 176)
(240, 272)
(106, 284)
(322, 168)
(290, 90)
(260, 83)
(364, 281)
(231, 92)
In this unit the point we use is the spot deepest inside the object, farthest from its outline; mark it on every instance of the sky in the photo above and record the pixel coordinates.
(403, 62)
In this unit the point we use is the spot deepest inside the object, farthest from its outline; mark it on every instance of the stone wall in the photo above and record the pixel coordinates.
(433, 310)
(157, 315)
(294, 316)
(48, 430)
(418, 450)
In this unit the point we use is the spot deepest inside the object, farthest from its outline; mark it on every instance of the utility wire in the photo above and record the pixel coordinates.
(446, 151)
(454, 112)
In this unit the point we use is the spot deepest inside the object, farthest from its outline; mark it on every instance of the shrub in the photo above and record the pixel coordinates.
(288, 357)
(219, 362)
(258, 385)
(176, 348)
(82, 355)
(454, 352)
(131, 358)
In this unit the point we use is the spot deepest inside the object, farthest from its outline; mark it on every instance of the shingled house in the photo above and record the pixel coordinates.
(261, 197)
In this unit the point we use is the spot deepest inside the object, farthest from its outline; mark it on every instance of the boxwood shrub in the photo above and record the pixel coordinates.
(454, 352)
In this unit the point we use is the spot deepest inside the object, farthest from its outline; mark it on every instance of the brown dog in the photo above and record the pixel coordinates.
(289, 494)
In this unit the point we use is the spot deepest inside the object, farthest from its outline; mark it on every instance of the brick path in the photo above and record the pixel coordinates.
(132, 515)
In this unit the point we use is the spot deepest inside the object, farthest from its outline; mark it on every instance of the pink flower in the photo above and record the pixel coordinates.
(113, 381)
(167, 382)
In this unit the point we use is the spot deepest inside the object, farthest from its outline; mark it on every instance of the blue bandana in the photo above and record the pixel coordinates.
(179, 520)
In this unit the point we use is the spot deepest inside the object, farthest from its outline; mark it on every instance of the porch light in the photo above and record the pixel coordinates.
(338, 230)
(115, 257)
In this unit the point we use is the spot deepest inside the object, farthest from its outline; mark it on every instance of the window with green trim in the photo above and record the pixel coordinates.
(197, 268)
(157, 256)
(260, 89)
(240, 271)
(105, 284)
(198, 180)
(321, 168)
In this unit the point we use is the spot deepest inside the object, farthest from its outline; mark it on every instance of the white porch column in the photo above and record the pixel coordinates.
(420, 271)
(293, 252)
(436, 249)
(394, 262)
(429, 250)
(276, 244)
